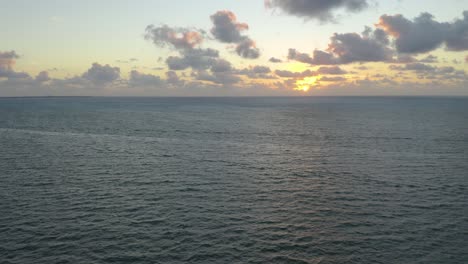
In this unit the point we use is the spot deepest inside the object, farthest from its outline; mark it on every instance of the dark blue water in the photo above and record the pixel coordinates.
(234, 180)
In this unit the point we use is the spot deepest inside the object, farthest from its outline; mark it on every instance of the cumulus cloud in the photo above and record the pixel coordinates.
(290, 74)
(256, 72)
(222, 78)
(221, 65)
(7, 62)
(352, 47)
(179, 38)
(319, 57)
(8, 59)
(370, 46)
(227, 29)
(424, 34)
(429, 59)
(275, 60)
(419, 67)
(198, 59)
(186, 42)
(322, 10)
(335, 70)
(43, 76)
(429, 72)
(102, 74)
(139, 79)
(332, 79)
(248, 49)
(173, 78)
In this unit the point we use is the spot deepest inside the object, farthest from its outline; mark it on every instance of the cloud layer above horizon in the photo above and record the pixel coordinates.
(393, 55)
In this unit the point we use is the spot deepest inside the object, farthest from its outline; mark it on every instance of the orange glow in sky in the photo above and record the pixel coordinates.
(306, 84)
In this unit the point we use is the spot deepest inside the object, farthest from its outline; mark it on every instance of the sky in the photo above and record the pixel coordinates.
(233, 47)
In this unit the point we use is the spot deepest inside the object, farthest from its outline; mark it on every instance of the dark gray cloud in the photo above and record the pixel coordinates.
(322, 10)
(138, 79)
(370, 46)
(179, 38)
(11, 74)
(198, 59)
(275, 60)
(173, 78)
(256, 72)
(226, 28)
(261, 69)
(424, 34)
(248, 49)
(352, 47)
(332, 79)
(429, 59)
(419, 67)
(101, 74)
(222, 78)
(319, 57)
(290, 74)
(221, 65)
(335, 70)
(425, 71)
(186, 42)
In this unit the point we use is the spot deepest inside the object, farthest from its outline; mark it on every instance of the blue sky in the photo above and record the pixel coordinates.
(64, 38)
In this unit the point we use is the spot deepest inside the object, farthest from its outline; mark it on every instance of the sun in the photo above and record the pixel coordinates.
(305, 84)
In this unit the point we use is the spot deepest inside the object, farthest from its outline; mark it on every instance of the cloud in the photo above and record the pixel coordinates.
(221, 65)
(352, 47)
(429, 59)
(226, 28)
(7, 61)
(102, 74)
(322, 10)
(198, 59)
(332, 79)
(335, 70)
(186, 42)
(248, 49)
(290, 74)
(275, 60)
(179, 38)
(370, 46)
(425, 71)
(319, 57)
(173, 78)
(404, 58)
(419, 67)
(222, 78)
(138, 79)
(424, 34)
(43, 76)
(256, 72)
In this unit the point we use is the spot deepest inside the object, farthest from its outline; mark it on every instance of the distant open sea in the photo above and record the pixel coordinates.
(234, 180)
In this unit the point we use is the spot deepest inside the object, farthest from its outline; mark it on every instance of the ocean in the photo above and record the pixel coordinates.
(234, 180)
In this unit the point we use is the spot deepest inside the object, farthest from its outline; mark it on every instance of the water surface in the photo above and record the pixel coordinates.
(234, 180)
